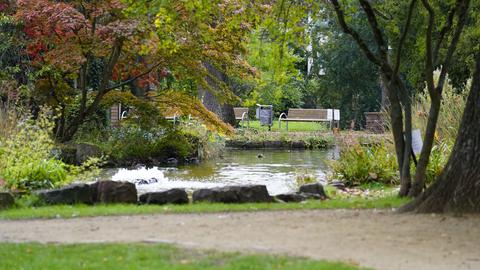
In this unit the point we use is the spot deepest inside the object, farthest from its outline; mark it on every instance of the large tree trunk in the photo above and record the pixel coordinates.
(211, 101)
(457, 189)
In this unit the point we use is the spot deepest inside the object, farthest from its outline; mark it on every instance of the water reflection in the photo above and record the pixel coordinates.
(277, 169)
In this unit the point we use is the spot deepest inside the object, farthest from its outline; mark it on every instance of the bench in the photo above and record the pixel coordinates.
(241, 114)
(310, 115)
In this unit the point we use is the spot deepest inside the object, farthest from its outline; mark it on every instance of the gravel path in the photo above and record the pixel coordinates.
(378, 239)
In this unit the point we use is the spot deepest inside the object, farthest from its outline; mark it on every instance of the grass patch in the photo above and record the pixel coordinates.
(71, 211)
(293, 126)
(144, 256)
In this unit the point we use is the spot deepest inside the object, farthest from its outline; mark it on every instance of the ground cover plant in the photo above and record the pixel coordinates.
(143, 256)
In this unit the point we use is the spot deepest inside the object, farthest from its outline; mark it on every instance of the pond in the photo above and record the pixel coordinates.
(277, 169)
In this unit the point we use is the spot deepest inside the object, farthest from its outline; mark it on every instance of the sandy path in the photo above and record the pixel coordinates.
(378, 239)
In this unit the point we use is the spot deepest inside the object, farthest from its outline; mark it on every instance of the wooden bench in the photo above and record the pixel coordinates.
(309, 115)
(241, 114)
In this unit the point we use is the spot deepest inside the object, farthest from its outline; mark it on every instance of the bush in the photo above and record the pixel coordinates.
(27, 161)
(175, 144)
(361, 164)
(27, 155)
(133, 144)
(209, 144)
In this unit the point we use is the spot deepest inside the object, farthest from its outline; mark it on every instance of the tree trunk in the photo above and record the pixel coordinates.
(396, 116)
(83, 114)
(420, 173)
(457, 189)
(385, 103)
(223, 109)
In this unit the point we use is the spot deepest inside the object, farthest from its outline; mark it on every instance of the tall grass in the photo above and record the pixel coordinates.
(360, 164)
(451, 111)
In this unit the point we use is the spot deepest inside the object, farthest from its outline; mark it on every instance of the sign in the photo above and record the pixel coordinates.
(417, 143)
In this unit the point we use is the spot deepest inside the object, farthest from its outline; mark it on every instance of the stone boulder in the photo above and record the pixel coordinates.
(72, 194)
(291, 197)
(315, 189)
(233, 194)
(86, 151)
(114, 192)
(6, 200)
(312, 196)
(338, 184)
(67, 153)
(172, 161)
(172, 196)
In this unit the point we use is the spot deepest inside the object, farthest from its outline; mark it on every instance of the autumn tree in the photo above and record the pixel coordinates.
(66, 40)
(82, 50)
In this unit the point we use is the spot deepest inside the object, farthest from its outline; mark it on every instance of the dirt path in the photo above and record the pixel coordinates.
(378, 239)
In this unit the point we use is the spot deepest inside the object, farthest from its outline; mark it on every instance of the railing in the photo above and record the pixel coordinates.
(242, 121)
(280, 121)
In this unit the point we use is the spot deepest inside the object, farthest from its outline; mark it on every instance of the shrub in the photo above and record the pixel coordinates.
(131, 143)
(361, 164)
(175, 144)
(209, 144)
(27, 161)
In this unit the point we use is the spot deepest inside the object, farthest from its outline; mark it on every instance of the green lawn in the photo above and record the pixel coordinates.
(68, 211)
(145, 256)
(293, 126)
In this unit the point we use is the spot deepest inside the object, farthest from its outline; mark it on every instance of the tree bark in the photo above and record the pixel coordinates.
(457, 189)
(223, 109)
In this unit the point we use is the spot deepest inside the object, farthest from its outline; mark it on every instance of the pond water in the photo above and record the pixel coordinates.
(277, 169)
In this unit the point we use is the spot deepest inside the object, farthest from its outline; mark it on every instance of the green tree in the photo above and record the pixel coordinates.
(344, 77)
(278, 79)
(441, 40)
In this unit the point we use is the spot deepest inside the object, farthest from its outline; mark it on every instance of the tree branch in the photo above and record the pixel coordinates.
(462, 17)
(428, 49)
(372, 20)
(134, 78)
(82, 85)
(348, 30)
(403, 37)
(112, 61)
(444, 31)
